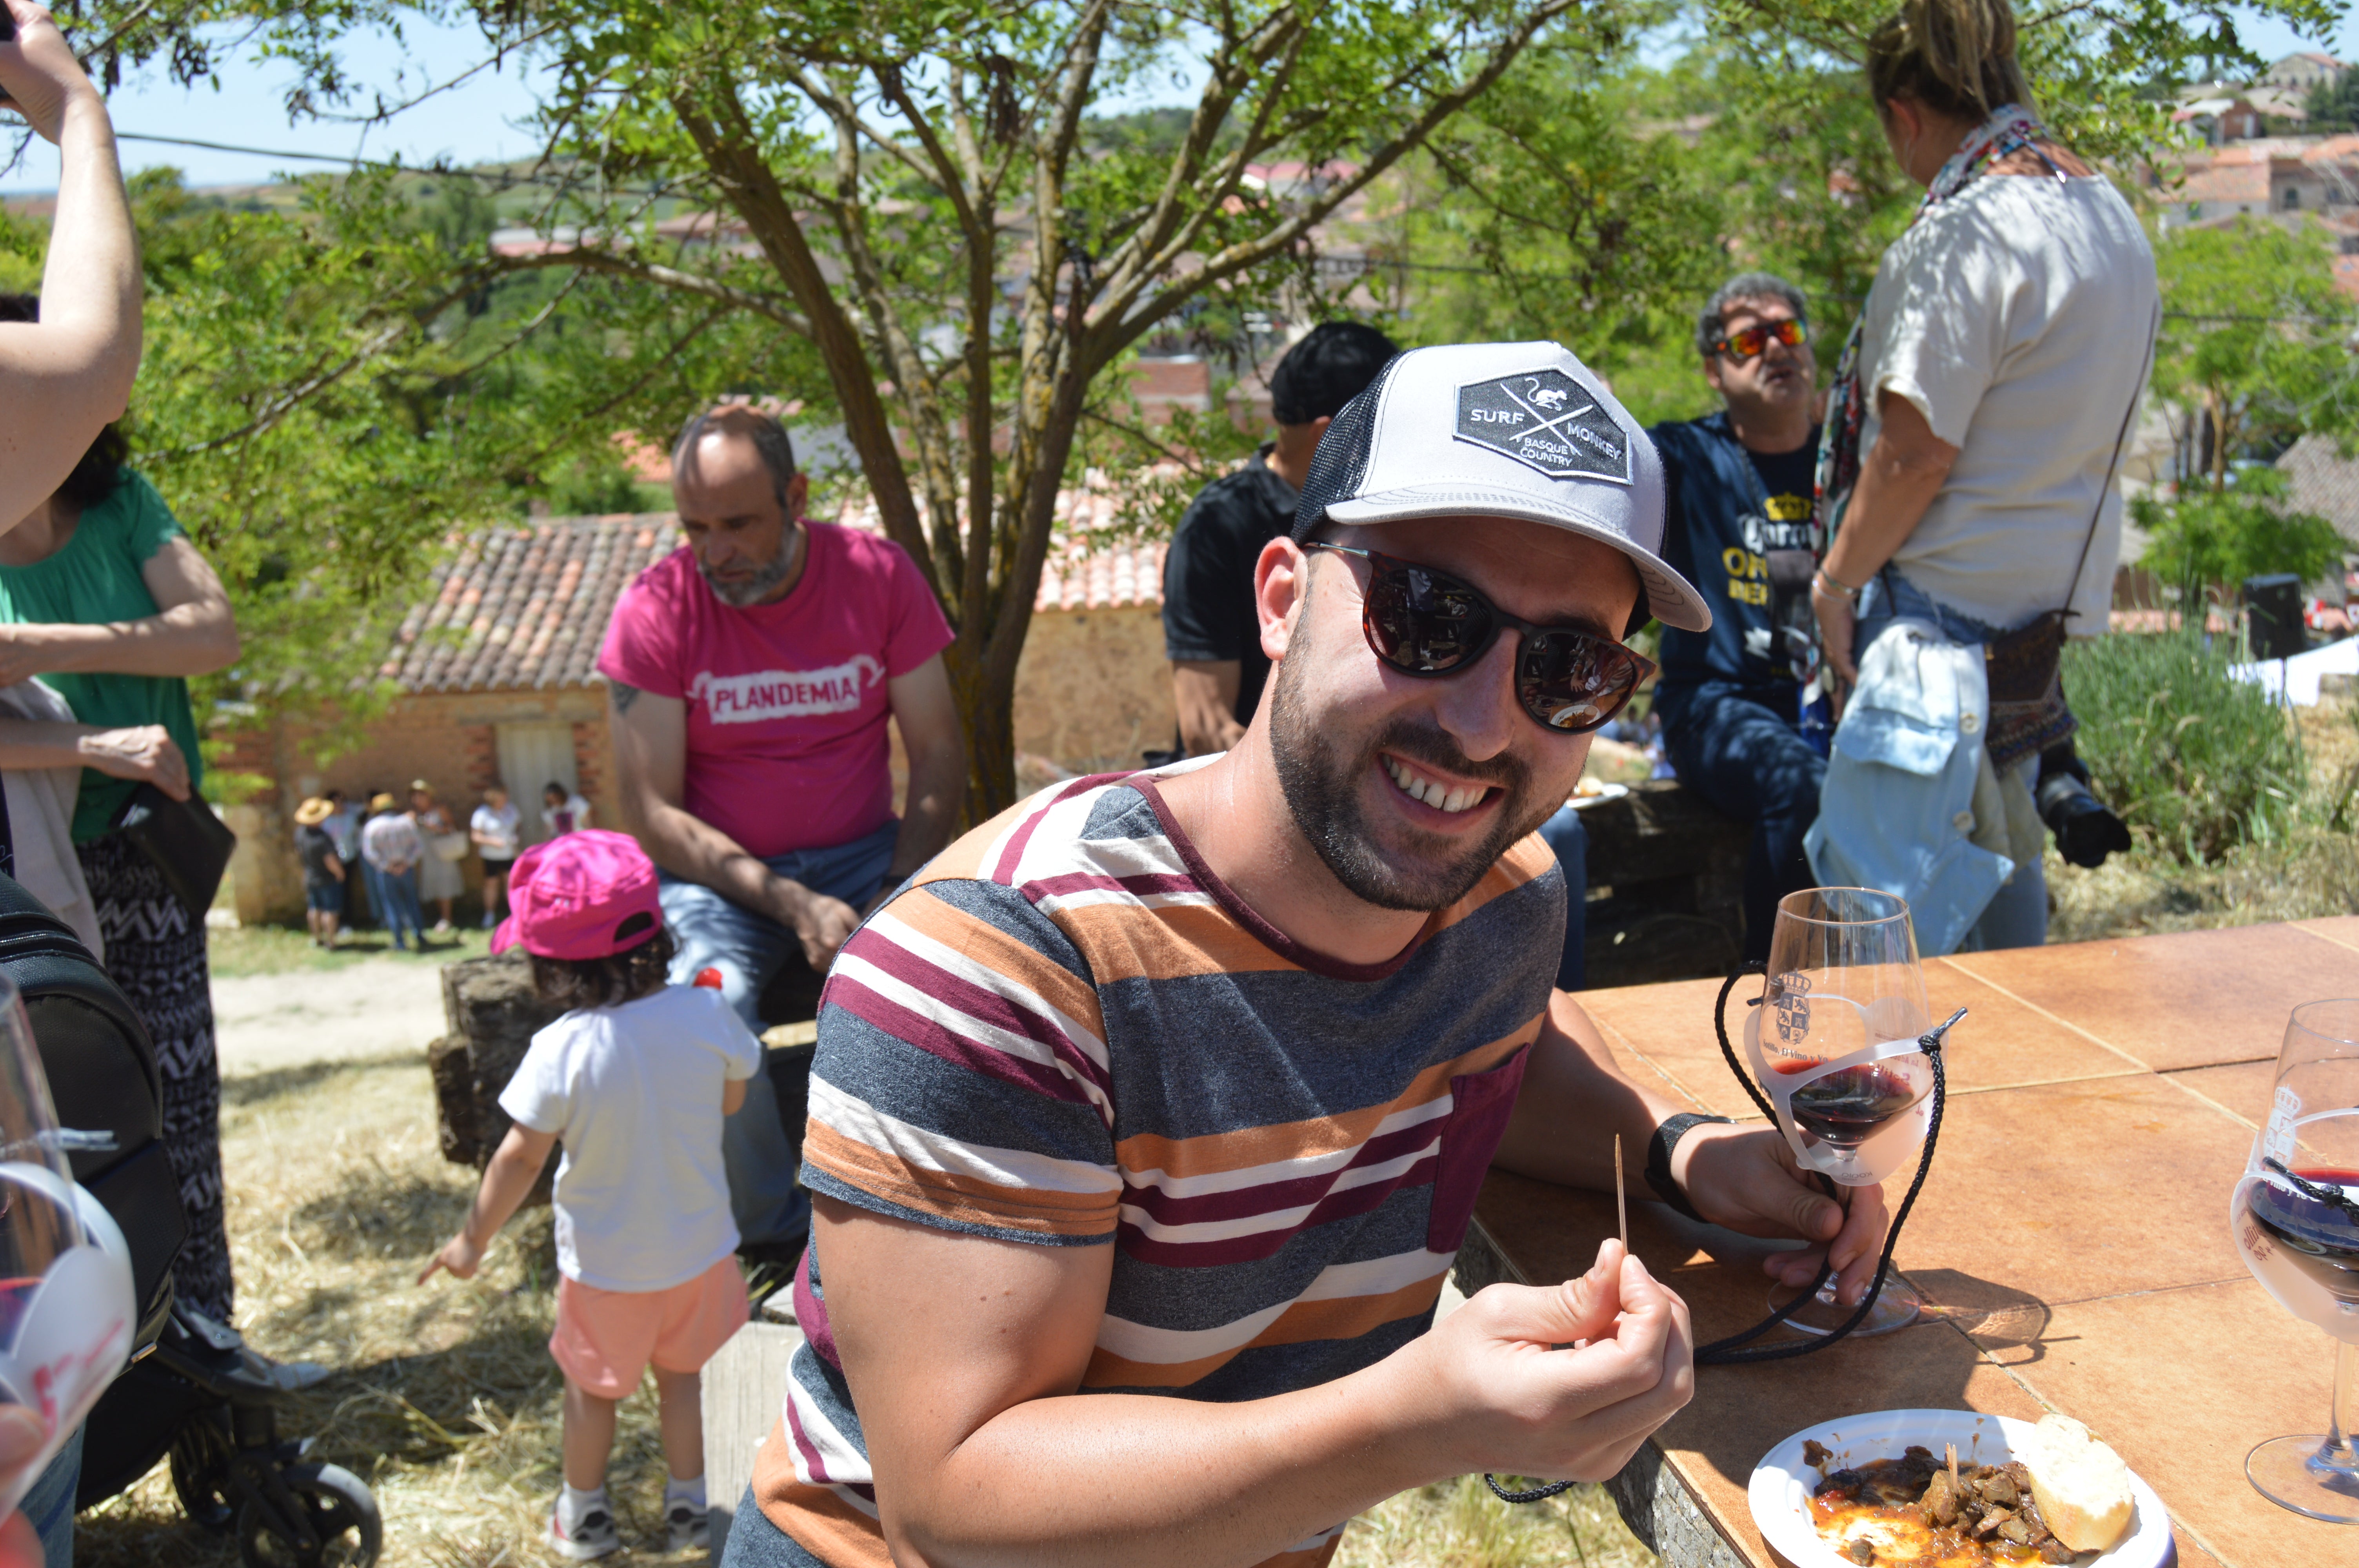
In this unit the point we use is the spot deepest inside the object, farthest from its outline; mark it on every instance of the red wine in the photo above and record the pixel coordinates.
(2319, 1238)
(1843, 1108)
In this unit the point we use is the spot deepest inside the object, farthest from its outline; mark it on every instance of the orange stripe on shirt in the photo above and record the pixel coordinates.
(1527, 859)
(825, 1525)
(1002, 954)
(960, 1198)
(1125, 942)
(1251, 1146)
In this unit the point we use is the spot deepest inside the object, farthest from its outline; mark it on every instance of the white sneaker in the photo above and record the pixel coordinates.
(690, 1527)
(593, 1538)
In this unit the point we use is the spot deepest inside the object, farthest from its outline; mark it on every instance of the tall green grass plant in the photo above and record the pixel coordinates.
(2196, 764)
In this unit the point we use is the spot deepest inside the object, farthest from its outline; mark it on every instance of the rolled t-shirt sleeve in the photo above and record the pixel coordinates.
(643, 641)
(537, 1096)
(1939, 344)
(961, 1081)
(918, 627)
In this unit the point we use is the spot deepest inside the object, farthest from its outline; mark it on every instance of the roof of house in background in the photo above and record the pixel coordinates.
(2321, 479)
(524, 608)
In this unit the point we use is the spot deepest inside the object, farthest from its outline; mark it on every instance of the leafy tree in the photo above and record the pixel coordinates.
(2253, 348)
(927, 204)
(2208, 541)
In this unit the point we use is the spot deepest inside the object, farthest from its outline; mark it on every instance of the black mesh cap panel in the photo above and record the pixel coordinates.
(1342, 460)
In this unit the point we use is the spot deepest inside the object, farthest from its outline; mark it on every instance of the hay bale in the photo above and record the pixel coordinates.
(494, 1013)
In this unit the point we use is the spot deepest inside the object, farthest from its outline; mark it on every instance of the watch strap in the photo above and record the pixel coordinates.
(1659, 1158)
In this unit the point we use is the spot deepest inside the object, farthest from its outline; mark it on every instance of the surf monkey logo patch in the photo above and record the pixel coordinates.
(1546, 420)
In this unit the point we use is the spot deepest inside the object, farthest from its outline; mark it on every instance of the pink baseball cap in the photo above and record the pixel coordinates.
(570, 894)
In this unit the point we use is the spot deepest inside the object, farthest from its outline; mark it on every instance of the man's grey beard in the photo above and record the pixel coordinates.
(752, 590)
(1322, 792)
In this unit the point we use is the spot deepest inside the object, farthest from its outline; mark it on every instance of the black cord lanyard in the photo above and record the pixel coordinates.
(1737, 1350)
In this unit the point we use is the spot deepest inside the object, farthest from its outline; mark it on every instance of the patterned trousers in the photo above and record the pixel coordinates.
(156, 952)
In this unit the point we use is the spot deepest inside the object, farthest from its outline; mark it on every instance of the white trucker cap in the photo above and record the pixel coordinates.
(1500, 430)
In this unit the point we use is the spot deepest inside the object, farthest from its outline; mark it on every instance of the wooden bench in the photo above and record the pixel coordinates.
(1665, 886)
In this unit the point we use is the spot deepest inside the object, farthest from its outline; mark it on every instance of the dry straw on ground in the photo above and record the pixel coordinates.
(446, 1403)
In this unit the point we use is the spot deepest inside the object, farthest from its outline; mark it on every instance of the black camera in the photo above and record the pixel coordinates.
(2086, 832)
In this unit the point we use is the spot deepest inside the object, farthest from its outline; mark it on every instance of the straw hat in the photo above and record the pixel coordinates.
(419, 786)
(314, 812)
(383, 802)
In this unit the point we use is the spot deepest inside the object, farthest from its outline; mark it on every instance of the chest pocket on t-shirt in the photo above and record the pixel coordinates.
(1480, 1104)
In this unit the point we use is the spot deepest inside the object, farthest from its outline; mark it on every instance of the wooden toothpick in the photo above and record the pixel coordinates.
(1621, 1198)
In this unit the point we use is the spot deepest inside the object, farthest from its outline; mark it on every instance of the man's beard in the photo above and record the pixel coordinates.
(750, 591)
(1322, 792)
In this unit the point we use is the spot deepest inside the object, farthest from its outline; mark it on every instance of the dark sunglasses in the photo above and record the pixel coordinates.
(1753, 341)
(1425, 623)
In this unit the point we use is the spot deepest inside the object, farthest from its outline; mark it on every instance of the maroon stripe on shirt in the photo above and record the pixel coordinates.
(1009, 857)
(1268, 1197)
(994, 1008)
(1264, 1244)
(1144, 885)
(810, 1313)
(957, 1050)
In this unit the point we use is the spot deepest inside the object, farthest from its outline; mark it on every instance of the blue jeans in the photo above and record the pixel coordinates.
(2016, 916)
(1741, 747)
(49, 1508)
(1565, 835)
(395, 896)
(761, 1155)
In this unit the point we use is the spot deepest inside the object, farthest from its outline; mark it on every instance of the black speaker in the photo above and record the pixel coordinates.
(2273, 616)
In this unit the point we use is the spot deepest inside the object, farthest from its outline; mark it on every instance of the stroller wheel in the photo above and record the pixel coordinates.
(201, 1459)
(342, 1515)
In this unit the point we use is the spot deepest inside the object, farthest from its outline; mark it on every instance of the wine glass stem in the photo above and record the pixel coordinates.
(2342, 1418)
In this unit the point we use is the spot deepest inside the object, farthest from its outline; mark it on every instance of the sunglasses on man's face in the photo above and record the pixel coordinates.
(1425, 623)
(1753, 341)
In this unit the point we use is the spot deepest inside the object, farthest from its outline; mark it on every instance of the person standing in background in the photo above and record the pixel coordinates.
(391, 844)
(343, 827)
(564, 810)
(104, 598)
(437, 871)
(1210, 634)
(496, 831)
(324, 873)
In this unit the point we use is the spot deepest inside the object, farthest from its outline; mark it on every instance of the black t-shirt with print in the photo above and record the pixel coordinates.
(1722, 523)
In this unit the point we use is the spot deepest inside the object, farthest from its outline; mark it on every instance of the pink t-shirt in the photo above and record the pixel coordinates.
(786, 704)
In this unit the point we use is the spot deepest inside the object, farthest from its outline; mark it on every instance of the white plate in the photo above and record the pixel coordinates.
(1782, 1484)
(1605, 791)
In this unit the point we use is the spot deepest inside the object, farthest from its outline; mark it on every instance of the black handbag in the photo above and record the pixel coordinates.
(189, 844)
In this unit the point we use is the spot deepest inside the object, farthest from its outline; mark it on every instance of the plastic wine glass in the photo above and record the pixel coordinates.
(2295, 1217)
(1833, 1043)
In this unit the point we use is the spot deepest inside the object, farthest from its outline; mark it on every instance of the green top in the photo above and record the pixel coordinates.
(94, 580)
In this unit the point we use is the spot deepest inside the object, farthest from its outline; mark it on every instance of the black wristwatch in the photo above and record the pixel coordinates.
(1659, 1159)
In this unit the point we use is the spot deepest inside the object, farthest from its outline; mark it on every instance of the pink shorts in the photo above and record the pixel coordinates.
(605, 1339)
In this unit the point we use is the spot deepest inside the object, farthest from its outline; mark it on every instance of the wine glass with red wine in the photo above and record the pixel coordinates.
(2295, 1217)
(1834, 1043)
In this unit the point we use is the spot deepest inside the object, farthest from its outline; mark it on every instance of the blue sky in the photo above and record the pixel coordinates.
(473, 123)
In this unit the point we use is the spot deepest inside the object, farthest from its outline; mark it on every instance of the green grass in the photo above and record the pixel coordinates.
(279, 949)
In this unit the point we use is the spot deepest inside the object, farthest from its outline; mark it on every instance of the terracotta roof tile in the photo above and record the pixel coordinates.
(524, 609)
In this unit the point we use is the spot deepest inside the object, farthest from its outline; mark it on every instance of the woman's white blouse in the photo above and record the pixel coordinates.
(2015, 316)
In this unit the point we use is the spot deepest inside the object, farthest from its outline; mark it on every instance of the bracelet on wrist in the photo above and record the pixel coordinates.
(1837, 587)
(1659, 1159)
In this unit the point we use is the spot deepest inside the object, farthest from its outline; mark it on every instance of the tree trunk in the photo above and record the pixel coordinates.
(987, 707)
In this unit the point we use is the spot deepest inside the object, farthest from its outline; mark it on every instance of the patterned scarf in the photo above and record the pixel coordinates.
(2009, 130)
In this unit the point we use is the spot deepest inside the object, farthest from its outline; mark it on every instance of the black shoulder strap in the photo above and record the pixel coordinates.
(2121, 438)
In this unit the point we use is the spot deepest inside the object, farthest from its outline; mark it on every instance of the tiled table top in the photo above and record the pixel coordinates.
(2072, 1234)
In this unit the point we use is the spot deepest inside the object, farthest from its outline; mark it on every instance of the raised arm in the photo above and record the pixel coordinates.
(964, 1355)
(62, 378)
(928, 716)
(651, 769)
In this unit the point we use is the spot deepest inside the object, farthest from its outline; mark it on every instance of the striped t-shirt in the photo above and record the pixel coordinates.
(1068, 1031)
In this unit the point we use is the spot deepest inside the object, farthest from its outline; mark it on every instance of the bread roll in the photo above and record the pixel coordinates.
(2082, 1486)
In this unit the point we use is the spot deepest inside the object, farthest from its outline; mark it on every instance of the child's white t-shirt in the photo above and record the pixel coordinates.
(634, 1094)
